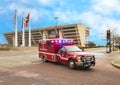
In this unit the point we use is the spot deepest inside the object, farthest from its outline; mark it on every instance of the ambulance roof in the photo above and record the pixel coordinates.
(54, 39)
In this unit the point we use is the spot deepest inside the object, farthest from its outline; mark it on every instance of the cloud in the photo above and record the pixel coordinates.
(94, 14)
(49, 3)
(94, 20)
(91, 18)
(45, 2)
(64, 16)
(35, 13)
(38, 14)
(100, 15)
(20, 8)
(24, 2)
(113, 25)
(106, 7)
(3, 11)
(68, 16)
(98, 18)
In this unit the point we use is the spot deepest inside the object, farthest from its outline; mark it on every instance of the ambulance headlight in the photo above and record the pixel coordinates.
(79, 58)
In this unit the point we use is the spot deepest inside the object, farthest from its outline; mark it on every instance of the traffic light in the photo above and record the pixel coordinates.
(108, 36)
(108, 45)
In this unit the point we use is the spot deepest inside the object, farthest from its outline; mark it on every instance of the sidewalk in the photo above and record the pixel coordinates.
(116, 62)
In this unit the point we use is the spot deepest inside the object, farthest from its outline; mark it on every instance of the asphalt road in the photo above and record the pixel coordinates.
(25, 68)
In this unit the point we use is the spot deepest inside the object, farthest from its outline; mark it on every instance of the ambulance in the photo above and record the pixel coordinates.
(64, 51)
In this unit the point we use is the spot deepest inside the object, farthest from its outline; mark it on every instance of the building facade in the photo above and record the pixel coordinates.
(78, 32)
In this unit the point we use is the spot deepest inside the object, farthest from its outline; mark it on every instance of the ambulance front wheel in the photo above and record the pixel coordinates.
(44, 59)
(71, 64)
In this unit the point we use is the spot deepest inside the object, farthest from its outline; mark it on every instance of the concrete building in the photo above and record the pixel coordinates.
(78, 32)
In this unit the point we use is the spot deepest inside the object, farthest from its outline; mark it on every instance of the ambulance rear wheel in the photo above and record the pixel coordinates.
(71, 64)
(44, 59)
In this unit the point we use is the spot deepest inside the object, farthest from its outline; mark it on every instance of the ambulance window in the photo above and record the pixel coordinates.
(48, 45)
(62, 50)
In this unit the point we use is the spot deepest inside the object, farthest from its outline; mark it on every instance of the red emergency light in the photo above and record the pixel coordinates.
(62, 41)
(52, 41)
(72, 41)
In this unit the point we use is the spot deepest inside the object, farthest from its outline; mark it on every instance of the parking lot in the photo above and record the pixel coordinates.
(23, 67)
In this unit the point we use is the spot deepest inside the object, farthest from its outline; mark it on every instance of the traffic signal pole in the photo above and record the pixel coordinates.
(108, 39)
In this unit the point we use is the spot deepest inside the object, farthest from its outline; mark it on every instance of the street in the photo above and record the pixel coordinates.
(25, 68)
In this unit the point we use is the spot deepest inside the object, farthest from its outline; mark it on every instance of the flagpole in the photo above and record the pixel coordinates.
(29, 32)
(24, 24)
(16, 33)
(29, 36)
(23, 32)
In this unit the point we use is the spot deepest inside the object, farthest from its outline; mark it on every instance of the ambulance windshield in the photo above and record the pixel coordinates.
(73, 49)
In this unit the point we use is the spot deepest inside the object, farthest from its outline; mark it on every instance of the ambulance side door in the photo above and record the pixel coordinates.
(63, 55)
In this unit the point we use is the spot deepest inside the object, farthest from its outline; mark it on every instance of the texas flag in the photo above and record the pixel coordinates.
(27, 20)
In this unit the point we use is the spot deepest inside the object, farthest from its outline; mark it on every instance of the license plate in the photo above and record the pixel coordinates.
(88, 59)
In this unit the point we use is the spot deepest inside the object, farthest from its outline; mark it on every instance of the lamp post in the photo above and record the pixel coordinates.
(55, 20)
(57, 33)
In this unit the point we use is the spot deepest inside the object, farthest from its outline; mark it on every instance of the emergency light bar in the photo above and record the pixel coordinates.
(62, 41)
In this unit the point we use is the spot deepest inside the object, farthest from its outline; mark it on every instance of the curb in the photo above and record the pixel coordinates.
(114, 63)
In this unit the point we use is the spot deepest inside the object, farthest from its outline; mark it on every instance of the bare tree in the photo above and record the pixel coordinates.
(115, 37)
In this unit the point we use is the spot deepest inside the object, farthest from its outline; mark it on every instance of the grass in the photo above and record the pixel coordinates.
(4, 48)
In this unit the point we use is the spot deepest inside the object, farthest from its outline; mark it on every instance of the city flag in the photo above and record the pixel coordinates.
(27, 20)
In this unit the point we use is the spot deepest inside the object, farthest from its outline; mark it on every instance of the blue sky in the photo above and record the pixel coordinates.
(95, 14)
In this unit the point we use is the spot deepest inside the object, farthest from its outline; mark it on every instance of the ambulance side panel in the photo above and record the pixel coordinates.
(48, 50)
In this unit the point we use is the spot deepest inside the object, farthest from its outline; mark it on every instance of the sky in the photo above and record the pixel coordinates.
(98, 15)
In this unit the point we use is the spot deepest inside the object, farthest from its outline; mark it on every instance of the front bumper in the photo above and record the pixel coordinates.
(85, 64)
